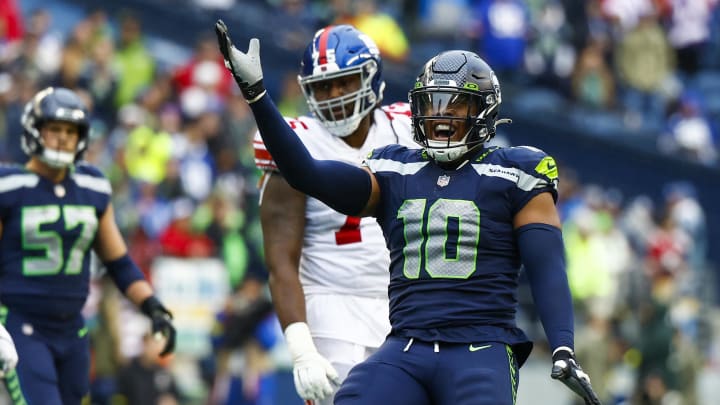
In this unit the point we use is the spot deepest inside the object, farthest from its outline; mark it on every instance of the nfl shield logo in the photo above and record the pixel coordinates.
(443, 180)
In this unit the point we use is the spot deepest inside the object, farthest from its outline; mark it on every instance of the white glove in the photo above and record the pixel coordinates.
(245, 67)
(312, 373)
(8, 354)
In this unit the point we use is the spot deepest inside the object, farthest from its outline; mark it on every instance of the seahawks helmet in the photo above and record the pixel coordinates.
(336, 52)
(54, 104)
(451, 81)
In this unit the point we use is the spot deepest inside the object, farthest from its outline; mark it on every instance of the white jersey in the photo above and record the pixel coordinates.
(345, 262)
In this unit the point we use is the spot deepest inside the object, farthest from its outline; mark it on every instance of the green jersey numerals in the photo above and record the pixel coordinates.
(51, 242)
(450, 252)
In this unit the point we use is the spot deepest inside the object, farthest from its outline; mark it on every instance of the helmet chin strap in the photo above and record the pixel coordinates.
(57, 159)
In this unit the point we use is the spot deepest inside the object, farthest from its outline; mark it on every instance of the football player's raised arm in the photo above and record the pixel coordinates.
(282, 216)
(345, 188)
(537, 229)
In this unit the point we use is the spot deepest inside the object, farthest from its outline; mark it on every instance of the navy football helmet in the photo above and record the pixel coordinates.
(449, 82)
(336, 52)
(54, 104)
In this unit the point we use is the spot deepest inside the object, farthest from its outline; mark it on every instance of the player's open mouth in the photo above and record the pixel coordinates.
(444, 130)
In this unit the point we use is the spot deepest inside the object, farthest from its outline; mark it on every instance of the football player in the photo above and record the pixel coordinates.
(53, 211)
(329, 270)
(460, 219)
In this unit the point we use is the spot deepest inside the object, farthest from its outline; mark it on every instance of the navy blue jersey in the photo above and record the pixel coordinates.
(454, 258)
(47, 230)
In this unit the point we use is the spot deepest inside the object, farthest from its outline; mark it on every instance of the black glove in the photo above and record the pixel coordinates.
(566, 369)
(161, 320)
(245, 67)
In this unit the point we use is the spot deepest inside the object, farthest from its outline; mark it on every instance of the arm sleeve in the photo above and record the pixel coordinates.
(343, 187)
(543, 255)
(124, 272)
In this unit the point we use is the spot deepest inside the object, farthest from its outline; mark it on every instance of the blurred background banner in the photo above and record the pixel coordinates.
(196, 290)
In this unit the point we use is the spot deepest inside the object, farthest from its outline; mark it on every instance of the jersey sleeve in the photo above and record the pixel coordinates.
(12, 178)
(263, 160)
(538, 173)
(400, 118)
(91, 178)
(380, 159)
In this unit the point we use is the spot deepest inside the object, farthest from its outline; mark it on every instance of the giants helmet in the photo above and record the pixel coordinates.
(54, 104)
(334, 52)
(452, 78)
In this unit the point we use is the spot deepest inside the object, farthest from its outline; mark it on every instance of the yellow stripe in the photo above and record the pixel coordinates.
(513, 372)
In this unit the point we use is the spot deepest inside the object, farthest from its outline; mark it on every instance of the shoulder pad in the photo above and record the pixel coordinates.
(11, 168)
(84, 167)
(531, 160)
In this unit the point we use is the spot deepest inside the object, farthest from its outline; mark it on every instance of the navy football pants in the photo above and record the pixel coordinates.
(53, 366)
(483, 373)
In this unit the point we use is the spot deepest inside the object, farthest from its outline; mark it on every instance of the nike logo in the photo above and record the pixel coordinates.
(474, 349)
(550, 166)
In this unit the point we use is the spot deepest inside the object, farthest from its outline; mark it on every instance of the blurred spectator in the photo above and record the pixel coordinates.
(626, 14)
(101, 79)
(294, 24)
(146, 380)
(690, 133)
(292, 103)
(656, 379)
(689, 31)
(502, 28)
(135, 64)
(72, 63)
(147, 153)
(442, 18)
(383, 28)
(550, 55)
(180, 238)
(587, 274)
(593, 84)
(105, 341)
(247, 332)
(666, 254)
(646, 64)
(48, 52)
(197, 164)
(682, 205)
(19, 89)
(205, 70)
(11, 30)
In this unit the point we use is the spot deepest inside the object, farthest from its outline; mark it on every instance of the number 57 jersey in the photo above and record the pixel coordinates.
(454, 255)
(47, 230)
(341, 254)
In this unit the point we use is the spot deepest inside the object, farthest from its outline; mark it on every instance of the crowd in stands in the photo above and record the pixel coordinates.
(176, 143)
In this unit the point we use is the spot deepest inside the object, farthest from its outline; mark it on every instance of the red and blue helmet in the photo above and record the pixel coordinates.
(338, 51)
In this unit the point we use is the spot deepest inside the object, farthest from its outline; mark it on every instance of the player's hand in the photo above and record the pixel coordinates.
(161, 320)
(8, 354)
(566, 369)
(245, 67)
(313, 374)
